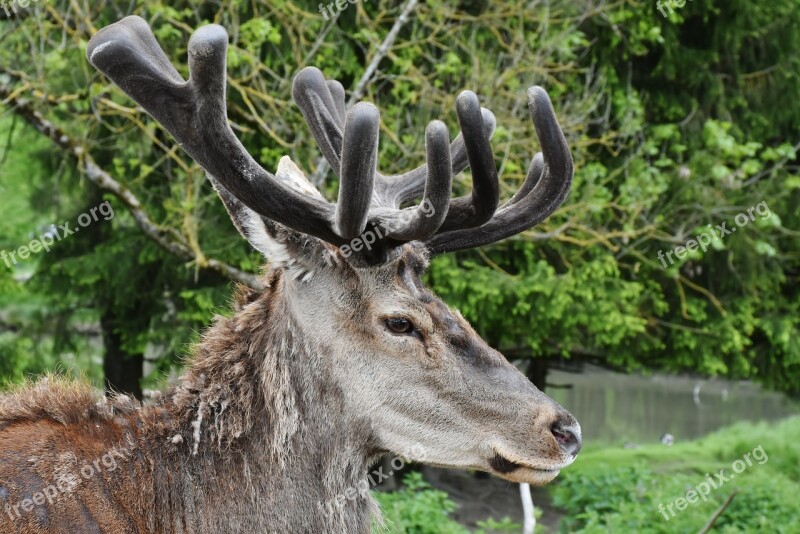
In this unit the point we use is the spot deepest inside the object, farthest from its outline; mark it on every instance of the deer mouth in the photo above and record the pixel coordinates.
(516, 471)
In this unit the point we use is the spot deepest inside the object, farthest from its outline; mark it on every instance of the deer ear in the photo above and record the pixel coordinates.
(280, 245)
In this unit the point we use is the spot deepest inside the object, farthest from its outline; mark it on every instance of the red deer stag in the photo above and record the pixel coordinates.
(343, 357)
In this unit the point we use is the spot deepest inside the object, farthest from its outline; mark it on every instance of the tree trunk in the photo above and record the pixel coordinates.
(123, 372)
(537, 372)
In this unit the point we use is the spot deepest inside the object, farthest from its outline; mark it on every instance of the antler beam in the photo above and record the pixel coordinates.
(194, 113)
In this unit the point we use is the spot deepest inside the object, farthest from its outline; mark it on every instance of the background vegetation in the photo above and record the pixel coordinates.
(621, 490)
(675, 122)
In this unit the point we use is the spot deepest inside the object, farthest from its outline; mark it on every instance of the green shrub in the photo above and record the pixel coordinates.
(617, 490)
(417, 509)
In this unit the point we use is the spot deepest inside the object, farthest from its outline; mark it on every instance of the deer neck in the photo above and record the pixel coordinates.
(263, 422)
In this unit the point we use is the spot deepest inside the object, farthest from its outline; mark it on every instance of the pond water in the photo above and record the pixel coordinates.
(615, 408)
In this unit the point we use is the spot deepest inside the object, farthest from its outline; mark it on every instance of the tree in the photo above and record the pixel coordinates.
(672, 129)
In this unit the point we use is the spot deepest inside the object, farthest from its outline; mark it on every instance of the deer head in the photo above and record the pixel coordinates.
(410, 371)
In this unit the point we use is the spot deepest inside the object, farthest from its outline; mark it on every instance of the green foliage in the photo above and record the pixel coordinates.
(618, 490)
(417, 509)
(535, 306)
(674, 124)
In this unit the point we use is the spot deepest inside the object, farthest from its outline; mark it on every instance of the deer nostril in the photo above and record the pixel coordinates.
(568, 438)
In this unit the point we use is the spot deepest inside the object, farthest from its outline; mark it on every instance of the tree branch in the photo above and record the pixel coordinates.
(102, 179)
(708, 526)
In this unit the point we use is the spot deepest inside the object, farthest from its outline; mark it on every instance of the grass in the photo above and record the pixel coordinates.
(620, 490)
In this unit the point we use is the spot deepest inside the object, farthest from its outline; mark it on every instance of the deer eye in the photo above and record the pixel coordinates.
(399, 325)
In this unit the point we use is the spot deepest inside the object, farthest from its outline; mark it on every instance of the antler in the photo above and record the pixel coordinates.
(194, 112)
(546, 186)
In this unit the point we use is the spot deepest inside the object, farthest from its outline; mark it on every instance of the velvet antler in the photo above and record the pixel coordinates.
(194, 112)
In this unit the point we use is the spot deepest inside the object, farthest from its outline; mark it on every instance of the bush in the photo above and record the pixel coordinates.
(613, 490)
(418, 508)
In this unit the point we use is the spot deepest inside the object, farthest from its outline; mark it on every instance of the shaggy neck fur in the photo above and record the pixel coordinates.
(262, 428)
(254, 438)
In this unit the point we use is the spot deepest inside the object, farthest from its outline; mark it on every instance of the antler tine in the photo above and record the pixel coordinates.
(194, 113)
(535, 169)
(424, 220)
(337, 93)
(548, 182)
(323, 115)
(401, 188)
(358, 167)
(478, 208)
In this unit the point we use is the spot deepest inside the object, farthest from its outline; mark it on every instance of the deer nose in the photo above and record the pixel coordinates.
(568, 437)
